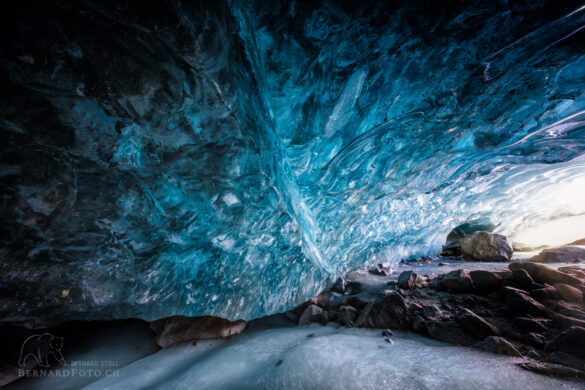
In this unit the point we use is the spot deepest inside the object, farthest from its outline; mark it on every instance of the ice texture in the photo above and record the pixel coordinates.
(333, 358)
(231, 158)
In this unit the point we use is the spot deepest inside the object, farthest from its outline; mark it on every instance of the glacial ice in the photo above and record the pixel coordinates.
(232, 158)
(334, 358)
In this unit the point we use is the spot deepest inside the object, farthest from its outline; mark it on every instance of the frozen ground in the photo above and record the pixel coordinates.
(333, 358)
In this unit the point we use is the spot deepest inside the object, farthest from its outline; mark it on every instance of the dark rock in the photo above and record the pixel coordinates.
(387, 332)
(352, 288)
(535, 339)
(339, 286)
(431, 312)
(522, 303)
(457, 281)
(497, 345)
(569, 309)
(484, 246)
(568, 293)
(328, 299)
(550, 369)
(407, 279)
(485, 282)
(448, 332)
(532, 324)
(390, 313)
(381, 269)
(358, 301)
(543, 274)
(311, 335)
(576, 271)
(565, 254)
(418, 324)
(546, 293)
(563, 322)
(389, 340)
(346, 315)
(324, 318)
(476, 326)
(522, 279)
(278, 363)
(292, 316)
(176, 329)
(571, 341)
(506, 291)
(312, 313)
(566, 360)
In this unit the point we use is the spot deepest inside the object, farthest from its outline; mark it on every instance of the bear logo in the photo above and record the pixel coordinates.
(40, 346)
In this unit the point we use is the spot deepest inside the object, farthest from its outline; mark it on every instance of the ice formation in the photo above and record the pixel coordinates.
(232, 157)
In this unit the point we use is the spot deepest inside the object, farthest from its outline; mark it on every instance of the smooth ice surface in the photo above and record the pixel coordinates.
(232, 157)
(334, 358)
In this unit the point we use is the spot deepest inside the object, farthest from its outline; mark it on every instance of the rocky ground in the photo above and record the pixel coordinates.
(521, 308)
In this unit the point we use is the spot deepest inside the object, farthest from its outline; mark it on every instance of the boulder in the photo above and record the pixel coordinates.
(485, 282)
(532, 324)
(522, 303)
(381, 269)
(328, 299)
(535, 339)
(522, 279)
(457, 281)
(578, 242)
(346, 315)
(564, 254)
(407, 280)
(475, 326)
(312, 313)
(568, 293)
(550, 369)
(176, 329)
(449, 332)
(484, 246)
(431, 312)
(465, 229)
(571, 341)
(498, 345)
(389, 313)
(545, 293)
(543, 274)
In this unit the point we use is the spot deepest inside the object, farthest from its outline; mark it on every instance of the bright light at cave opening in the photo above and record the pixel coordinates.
(568, 222)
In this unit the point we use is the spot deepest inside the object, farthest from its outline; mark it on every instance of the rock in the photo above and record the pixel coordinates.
(535, 339)
(550, 369)
(475, 326)
(324, 318)
(407, 279)
(561, 321)
(389, 313)
(448, 332)
(568, 293)
(419, 324)
(328, 299)
(358, 301)
(569, 309)
(497, 345)
(431, 312)
(389, 340)
(522, 303)
(176, 329)
(457, 281)
(353, 288)
(575, 271)
(387, 333)
(454, 237)
(312, 313)
(522, 279)
(485, 282)
(484, 246)
(566, 360)
(571, 341)
(565, 254)
(532, 324)
(543, 274)
(346, 315)
(381, 269)
(546, 293)
(339, 286)
(292, 316)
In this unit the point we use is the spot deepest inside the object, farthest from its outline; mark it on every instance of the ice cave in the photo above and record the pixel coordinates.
(243, 194)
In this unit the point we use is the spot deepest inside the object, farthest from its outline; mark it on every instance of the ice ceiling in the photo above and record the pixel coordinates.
(231, 158)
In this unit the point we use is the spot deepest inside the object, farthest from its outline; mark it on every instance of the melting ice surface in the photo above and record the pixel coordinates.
(231, 159)
(332, 359)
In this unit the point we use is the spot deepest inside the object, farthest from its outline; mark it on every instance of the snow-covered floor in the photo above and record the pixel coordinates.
(332, 358)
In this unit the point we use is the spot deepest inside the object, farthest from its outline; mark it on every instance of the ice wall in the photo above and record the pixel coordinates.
(230, 158)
